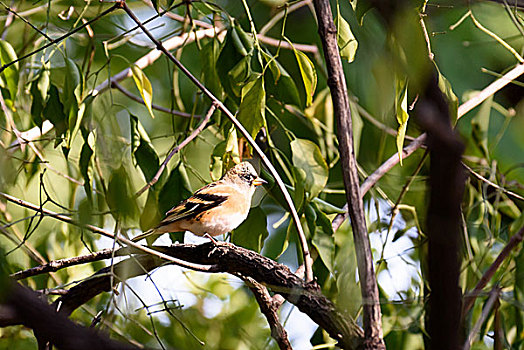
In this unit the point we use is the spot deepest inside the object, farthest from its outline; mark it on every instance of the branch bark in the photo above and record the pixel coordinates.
(337, 84)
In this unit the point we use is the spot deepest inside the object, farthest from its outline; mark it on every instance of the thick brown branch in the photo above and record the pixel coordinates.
(24, 305)
(270, 310)
(225, 258)
(337, 84)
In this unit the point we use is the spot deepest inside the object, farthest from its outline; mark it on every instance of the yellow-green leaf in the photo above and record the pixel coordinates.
(402, 113)
(307, 156)
(251, 112)
(308, 73)
(347, 44)
(9, 77)
(144, 86)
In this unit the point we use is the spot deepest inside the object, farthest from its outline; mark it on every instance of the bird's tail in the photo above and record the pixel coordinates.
(144, 235)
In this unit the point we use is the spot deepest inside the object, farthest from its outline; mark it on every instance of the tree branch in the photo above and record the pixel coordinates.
(337, 84)
(269, 308)
(22, 304)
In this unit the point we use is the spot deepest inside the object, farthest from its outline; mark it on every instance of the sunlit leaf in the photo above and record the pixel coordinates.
(251, 112)
(9, 77)
(347, 43)
(252, 232)
(307, 156)
(144, 87)
(401, 101)
(447, 90)
(308, 73)
(150, 216)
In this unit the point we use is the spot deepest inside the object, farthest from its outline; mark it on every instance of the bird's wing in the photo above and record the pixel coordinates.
(201, 201)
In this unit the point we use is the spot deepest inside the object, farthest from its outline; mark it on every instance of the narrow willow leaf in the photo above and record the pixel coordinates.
(9, 77)
(308, 73)
(480, 126)
(39, 91)
(307, 156)
(453, 102)
(176, 189)
(347, 44)
(251, 112)
(144, 86)
(119, 197)
(54, 112)
(401, 101)
(323, 239)
(143, 151)
(279, 82)
(252, 232)
(85, 161)
(228, 58)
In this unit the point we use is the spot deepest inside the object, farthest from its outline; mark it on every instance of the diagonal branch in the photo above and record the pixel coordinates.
(301, 235)
(337, 84)
(469, 299)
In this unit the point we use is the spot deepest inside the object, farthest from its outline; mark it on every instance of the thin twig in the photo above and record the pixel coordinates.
(105, 233)
(513, 242)
(138, 99)
(244, 132)
(491, 183)
(56, 265)
(177, 148)
(493, 297)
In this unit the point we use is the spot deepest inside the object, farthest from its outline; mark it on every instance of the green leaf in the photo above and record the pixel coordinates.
(447, 90)
(361, 7)
(209, 55)
(9, 77)
(307, 156)
(143, 151)
(119, 197)
(347, 43)
(239, 74)
(358, 125)
(144, 87)
(308, 73)
(300, 189)
(150, 216)
(251, 112)
(519, 291)
(54, 112)
(279, 83)
(480, 126)
(85, 161)
(252, 232)
(175, 190)
(323, 239)
(401, 102)
(39, 91)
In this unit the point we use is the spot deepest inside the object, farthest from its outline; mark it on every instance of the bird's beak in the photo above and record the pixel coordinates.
(259, 181)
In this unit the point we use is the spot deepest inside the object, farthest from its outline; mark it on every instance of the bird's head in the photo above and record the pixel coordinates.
(244, 173)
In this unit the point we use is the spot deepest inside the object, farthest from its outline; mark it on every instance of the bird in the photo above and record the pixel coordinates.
(213, 210)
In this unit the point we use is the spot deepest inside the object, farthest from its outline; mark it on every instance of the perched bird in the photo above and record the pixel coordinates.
(214, 209)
